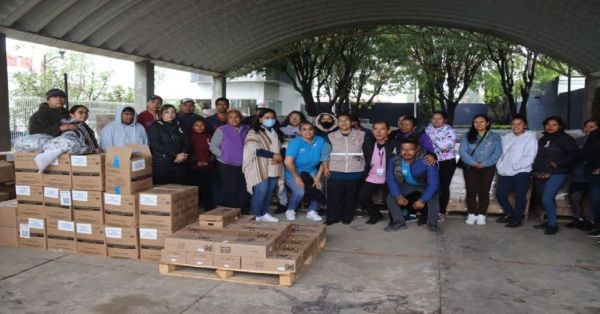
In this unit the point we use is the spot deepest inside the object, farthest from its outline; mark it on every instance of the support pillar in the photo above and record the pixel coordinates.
(4, 118)
(219, 88)
(143, 84)
(592, 95)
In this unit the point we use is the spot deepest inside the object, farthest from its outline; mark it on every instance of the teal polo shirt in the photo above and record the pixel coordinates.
(307, 156)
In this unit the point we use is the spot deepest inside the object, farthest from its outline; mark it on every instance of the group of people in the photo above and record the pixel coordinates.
(336, 163)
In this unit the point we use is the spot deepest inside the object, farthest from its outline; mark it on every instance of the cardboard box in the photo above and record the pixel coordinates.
(122, 242)
(32, 233)
(150, 253)
(61, 234)
(59, 179)
(61, 164)
(58, 212)
(244, 246)
(8, 188)
(7, 171)
(8, 237)
(153, 237)
(279, 262)
(30, 209)
(192, 239)
(219, 217)
(90, 239)
(199, 259)
(25, 161)
(88, 172)
(121, 210)
(29, 177)
(128, 169)
(4, 197)
(88, 206)
(173, 256)
(8, 214)
(29, 193)
(227, 261)
(166, 221)
(57, 196)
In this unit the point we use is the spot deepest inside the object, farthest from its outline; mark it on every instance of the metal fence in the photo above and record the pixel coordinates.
(21, 108)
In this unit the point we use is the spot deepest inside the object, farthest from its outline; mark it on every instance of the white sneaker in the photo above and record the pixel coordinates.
(312, 215)
(480, 220)
(267, 218)
(290, 214)
(471, 219)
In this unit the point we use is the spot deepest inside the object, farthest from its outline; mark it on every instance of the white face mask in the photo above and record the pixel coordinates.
(268, 123)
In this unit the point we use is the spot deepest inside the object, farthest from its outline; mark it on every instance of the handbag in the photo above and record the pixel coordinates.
(461, 164)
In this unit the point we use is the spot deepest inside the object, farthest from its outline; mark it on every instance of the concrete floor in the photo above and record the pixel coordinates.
(464, 269)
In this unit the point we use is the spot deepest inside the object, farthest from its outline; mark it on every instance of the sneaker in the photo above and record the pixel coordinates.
(514, 224)
(267, 218)
(312, 215)
(395, 227)
(411, 218)
(290, 215)
(595, 234)
(480, 220)
(551, 230)
(373, 220)
(503, 219)
(471, 219)
(441, 217)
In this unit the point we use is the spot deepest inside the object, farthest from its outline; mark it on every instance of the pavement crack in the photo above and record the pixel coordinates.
(32, 267)
(200, 298)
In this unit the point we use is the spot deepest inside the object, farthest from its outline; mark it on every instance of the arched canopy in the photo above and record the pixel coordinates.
(215, 35)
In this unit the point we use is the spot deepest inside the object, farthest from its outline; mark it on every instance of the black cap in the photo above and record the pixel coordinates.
(55, 92)
(128, 109)
(153, 97)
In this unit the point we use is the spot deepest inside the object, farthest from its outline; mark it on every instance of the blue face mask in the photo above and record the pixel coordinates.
(268, 123)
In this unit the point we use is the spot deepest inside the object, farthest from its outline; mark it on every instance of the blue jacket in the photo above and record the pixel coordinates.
(426, 175)
(488, 152)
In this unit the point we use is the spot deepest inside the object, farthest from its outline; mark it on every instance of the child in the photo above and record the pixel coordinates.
(79, 114)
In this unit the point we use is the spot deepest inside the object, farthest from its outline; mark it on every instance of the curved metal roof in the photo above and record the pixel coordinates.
(214, 36)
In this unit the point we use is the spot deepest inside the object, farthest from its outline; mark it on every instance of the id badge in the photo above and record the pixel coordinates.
(380, 172)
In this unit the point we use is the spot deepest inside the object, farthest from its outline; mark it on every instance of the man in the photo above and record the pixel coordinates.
(219, 118)
(148, 116)
(51, 116)
(378, 149)
(412, 183)
(408, 131)
(123, 130)
(186, 115)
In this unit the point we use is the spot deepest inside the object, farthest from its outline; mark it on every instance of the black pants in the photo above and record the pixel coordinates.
(365, 197)
(478, 183)
(340, 199)
(233, 187)
(447, 168)
(204, 180)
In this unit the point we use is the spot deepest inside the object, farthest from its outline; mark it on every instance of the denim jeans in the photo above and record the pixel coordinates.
(548, 190)
(297, 195)
(595, 198)
(261, 196)
(519, 184)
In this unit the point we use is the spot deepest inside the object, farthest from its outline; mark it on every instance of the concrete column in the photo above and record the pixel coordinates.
(592, 94)
(4, 118)
(144, 84)
(219, 88)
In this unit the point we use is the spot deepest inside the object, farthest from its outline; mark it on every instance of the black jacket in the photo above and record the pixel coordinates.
(591, 151)
(557, 147)
(47, 120)
(369, 146)
(166, 141)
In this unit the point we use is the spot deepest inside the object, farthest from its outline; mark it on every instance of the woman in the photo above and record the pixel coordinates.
(580, 181)
(346, 166)
(79, 115)
(443, 138)
(227, 145)
(169, 146)
(519, 148)
(304, 161)
(479, 151)
(262, 163)
(591, 154)
(290, 129)
(201, 163)
(325, 123)
(557, 153)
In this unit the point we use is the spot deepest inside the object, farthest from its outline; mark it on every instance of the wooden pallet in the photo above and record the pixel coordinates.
(239, 275)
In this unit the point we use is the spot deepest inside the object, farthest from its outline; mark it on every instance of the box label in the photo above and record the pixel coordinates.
(64, 225)
(112, 199)
(55, 162)
(84, 228)
(65, 198)
(24, 231)
(35, 223)
(23, 190)
(80, 196)
(50, 192)
(138, 165)
(148, 234)
(112, 232)
(149, 199)
(79, 161)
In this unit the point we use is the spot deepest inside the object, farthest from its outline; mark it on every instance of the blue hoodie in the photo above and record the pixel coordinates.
(118, 134)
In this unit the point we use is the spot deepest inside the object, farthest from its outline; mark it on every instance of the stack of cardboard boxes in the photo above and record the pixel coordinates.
(223, 239)
(7, 179)
(8, 224)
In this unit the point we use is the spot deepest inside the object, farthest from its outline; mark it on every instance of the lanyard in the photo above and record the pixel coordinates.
(381, 152)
